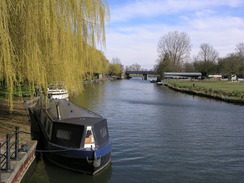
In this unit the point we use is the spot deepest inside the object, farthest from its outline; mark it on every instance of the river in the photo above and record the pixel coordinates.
(159, 135)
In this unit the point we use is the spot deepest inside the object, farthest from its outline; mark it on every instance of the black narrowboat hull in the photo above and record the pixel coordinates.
(78, 164)
(78, 160)
(83, 160)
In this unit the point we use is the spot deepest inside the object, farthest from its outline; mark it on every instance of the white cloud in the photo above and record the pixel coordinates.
(221, 32)
(137, 43)
(134, 45)
(146, 8)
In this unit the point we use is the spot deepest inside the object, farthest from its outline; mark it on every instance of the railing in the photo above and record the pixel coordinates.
(9, 150)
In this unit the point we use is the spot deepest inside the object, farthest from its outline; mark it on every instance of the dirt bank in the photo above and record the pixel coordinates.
(18, 117)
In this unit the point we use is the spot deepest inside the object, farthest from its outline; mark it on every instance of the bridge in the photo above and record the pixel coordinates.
(143, 73)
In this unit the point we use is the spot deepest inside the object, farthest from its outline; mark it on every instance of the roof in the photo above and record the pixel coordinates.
(69, 110)
(183, 74)
(81, 121)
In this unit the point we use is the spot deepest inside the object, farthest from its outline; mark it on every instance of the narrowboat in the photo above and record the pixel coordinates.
(72, 137)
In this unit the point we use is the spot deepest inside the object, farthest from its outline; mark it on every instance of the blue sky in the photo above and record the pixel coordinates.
(136, 26)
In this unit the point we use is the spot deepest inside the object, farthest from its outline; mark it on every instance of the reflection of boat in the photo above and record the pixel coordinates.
(56, 174)
(57, 91)
(74, 138)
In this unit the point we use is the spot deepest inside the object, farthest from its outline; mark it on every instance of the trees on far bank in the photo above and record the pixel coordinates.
(176, 46)
(205, 61)
(207, 53)
(134, 67)
(173, 56)
(173, 49)
(115, 67)
(232, 64)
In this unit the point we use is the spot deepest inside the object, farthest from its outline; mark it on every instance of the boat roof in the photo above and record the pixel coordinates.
(80, 121)
(69, 110)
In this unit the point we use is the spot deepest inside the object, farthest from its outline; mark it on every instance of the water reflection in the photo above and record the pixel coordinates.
(46, 172)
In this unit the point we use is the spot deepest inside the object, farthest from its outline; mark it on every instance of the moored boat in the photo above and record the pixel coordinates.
(72, 137)
(159, 83)
(57, 90)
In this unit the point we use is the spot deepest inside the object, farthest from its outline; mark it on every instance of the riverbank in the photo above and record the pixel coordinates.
(8, 122)
(221, 90)
(18, 117)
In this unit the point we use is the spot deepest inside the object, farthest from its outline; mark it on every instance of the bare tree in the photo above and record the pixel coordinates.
(207, 53)
(177, 45)
(116, 61)
(240, 49)
(137, 66)
(240, 52)
(134, 67)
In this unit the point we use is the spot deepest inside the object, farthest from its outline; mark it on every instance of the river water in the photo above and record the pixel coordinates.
(159, 135)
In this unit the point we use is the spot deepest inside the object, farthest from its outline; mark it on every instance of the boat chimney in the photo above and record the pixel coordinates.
(58, 112)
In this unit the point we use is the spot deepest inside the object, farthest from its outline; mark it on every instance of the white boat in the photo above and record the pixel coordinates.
(57, 91)
(159, 83)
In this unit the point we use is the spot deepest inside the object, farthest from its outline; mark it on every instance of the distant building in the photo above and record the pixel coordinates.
(182, 75)
(215, 76)
(233, 77)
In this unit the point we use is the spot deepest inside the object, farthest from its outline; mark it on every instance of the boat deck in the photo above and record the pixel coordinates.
(69, 110)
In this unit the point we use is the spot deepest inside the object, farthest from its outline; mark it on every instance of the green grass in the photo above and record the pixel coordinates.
(231, 89)
(18, 92)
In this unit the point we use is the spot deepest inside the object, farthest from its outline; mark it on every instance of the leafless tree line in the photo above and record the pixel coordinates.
(174, 52)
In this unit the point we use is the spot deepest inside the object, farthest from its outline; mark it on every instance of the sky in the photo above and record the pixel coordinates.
(136, 26)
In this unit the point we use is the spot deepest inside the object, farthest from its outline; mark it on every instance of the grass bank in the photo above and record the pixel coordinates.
(221, 90)
(8, 121)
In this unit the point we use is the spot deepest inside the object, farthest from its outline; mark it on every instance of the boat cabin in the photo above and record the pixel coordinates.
(68, 125)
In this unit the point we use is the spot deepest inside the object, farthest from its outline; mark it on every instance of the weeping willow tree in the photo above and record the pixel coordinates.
(42, 41)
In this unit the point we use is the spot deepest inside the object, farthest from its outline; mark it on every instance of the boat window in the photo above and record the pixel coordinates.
(101, 133)
(63, 134)
(89, 140)
(49, 127)
(45, 123)
(43, 118)
(67, 135)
